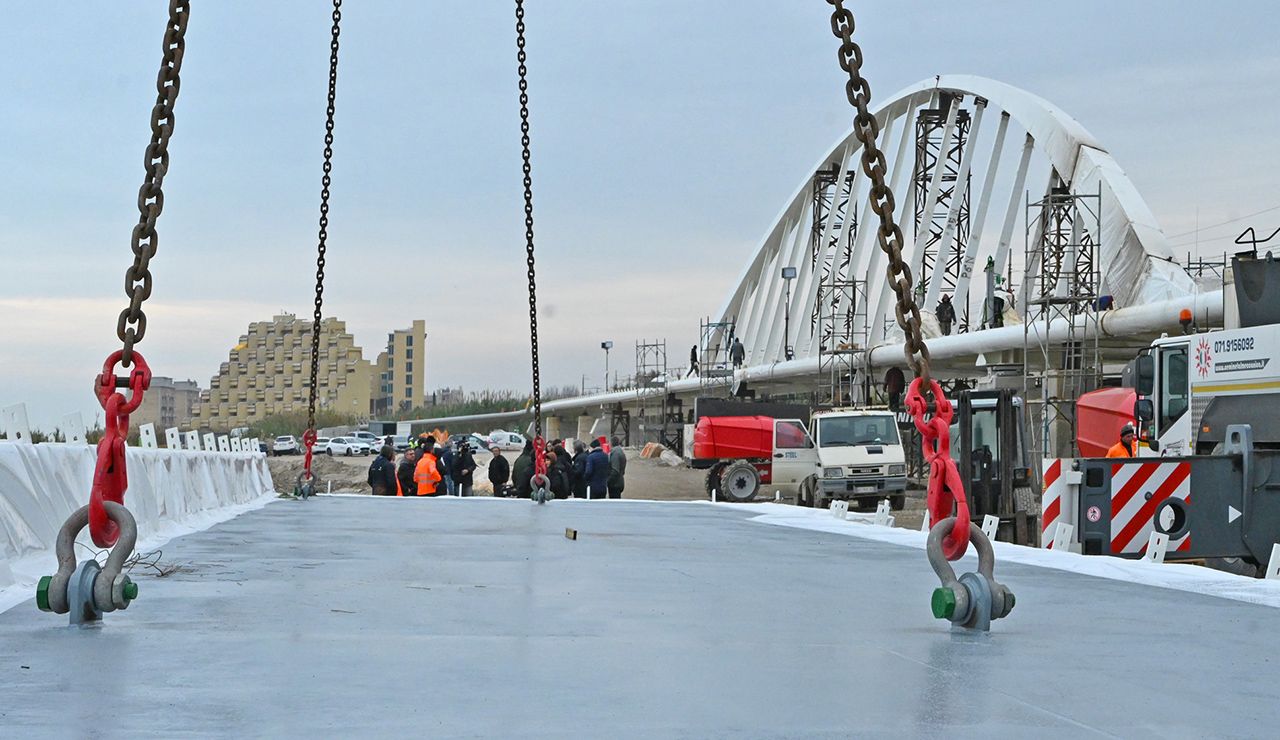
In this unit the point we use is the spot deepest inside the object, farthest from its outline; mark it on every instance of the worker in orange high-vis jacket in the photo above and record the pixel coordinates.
(427, 473)
(1126, 447)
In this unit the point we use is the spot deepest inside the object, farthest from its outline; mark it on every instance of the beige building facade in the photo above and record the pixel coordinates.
(167, 403)
(399, 381)
(269, 372)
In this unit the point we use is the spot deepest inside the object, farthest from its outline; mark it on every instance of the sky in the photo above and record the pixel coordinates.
(667, 134)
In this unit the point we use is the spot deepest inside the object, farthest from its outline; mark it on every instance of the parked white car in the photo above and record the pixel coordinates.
(348, 446)
(322, 445)
(506, 440)
(285, 445)
(374, 441)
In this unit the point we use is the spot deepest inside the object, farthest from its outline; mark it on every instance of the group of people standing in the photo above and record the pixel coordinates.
(587, 473)
(431, 469)
(426, 469)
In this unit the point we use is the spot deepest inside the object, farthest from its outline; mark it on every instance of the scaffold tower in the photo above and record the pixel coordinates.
(1061, 292)
(843, 328)
(715, 370)
(930, 128)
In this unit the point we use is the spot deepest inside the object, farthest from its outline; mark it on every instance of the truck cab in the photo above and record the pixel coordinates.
(1189, 387)
(860, 456)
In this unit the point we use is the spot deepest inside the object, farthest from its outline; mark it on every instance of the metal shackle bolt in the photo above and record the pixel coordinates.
(974, 599)
(111, 588)
(541, 488)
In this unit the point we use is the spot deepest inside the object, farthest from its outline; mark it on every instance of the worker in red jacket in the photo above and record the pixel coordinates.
(1127, 446)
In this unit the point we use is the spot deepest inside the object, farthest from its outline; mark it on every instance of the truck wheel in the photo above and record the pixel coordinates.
(714, 479)
(741, 482)
(898, 501)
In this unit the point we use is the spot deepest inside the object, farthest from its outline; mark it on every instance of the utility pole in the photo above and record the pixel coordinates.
(788, 274)
(606, 346)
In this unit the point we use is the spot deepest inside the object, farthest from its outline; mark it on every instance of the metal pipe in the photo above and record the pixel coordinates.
(1145, 319)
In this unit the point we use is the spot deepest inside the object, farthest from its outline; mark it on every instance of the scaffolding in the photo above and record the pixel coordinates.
(842, 332)
(651, 382)
(1061, 287)
(931, 125)
(831, 201)
(715, 370)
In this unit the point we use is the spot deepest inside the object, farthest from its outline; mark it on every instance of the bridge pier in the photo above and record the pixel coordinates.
(553, 427)
(588, 427)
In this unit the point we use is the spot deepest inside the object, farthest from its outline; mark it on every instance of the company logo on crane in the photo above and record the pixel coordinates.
(1204, 358)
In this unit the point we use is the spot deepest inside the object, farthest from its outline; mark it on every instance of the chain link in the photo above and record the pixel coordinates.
(324, 223)
(132, 324)
(866, 129)
(528, 220)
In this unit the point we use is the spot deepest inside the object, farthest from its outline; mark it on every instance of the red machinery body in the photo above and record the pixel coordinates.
(1100, 415)
(733, 437)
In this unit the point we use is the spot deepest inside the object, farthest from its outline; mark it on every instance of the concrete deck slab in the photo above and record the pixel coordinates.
(478, 618)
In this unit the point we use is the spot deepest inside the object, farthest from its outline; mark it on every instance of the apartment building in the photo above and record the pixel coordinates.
(167, 403)
(399, 381)
(269, 372)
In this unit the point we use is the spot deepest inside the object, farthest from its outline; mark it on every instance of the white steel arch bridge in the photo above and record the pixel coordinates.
(980, 171)
(995, 147)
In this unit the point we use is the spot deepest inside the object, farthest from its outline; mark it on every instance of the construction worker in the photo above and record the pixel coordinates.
(1127, 446)
(946, 314)
(693, 361)
(426, 474)
(737, 353)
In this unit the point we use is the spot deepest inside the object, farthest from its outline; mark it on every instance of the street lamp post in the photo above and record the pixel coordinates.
(606, 346)
(788, 274)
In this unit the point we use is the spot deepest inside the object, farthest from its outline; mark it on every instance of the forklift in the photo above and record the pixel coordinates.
(994, 457)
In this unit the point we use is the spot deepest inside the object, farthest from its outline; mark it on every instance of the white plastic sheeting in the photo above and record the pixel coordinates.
(1188, 578)
(171, 492)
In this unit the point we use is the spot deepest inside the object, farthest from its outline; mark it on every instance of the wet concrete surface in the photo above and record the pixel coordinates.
(346, 616)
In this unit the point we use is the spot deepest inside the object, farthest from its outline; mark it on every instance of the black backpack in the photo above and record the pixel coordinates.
(376, 469)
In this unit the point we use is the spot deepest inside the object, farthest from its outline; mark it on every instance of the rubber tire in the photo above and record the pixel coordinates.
(715, 479)
(1236, 566)
(745, 472)
(329, 453)
(898, 501)
(348, 453)
(802, 495)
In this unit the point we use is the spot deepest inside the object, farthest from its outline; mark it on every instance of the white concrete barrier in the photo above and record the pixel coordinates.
(171, 492)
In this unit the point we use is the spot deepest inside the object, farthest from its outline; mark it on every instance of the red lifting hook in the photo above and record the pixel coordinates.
(110, 479)
(945, 487)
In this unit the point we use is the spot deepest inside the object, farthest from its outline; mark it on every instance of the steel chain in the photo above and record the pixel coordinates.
(528, 229)
(946, 489)
(866, 129)
(309, 437)
(132, 324)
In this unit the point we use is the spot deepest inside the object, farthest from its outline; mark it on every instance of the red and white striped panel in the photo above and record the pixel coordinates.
(1051, 499)
(1133, 514)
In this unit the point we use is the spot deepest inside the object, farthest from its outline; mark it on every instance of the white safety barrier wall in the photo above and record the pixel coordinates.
(40, 485)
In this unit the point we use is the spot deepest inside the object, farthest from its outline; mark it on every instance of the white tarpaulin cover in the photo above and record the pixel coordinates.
(1180, 577)
(171, 492)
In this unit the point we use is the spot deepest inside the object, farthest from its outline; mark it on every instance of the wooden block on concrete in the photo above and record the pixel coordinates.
(570, 534)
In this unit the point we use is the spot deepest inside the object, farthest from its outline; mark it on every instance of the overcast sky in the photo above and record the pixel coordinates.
(667, 134)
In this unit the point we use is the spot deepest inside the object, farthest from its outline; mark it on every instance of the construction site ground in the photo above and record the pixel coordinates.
(362, 616)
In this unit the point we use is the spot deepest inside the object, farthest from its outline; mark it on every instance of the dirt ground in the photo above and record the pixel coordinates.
(646, 479)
